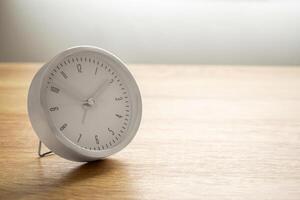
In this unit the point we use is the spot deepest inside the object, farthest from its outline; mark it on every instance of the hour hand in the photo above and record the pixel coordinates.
(69, 90)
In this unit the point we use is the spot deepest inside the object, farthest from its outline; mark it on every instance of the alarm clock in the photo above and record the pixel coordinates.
(84, 104)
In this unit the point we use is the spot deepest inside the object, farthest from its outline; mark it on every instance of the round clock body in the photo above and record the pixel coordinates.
(84, 104)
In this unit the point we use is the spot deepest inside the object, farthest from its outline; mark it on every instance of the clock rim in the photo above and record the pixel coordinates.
(134, 93)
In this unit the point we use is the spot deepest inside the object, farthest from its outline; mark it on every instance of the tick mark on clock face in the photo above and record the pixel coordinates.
(64, 74)
(119, 116)
(79, 137)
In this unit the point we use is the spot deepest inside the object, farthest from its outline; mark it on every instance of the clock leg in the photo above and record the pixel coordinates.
(40, 151)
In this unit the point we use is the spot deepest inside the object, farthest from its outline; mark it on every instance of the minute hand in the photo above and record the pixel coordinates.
(100, 89)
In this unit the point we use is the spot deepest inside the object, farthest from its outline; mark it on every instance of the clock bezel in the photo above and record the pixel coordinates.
(134, 93)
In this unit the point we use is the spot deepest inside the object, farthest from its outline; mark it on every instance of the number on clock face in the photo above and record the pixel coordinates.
(88, 101)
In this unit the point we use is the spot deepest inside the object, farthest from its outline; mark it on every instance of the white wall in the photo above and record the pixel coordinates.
(166, 31)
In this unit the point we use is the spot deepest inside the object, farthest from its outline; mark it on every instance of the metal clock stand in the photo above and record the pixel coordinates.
(40, 150)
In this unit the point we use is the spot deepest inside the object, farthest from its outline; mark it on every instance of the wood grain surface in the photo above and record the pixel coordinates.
(208, 132)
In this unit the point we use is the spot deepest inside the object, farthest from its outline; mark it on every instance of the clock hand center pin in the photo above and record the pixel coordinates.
(91, 101)
(86, 106)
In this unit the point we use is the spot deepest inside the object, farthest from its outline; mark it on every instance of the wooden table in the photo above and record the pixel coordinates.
(208, 132)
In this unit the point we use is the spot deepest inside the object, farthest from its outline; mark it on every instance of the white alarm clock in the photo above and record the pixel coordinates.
(84, 104)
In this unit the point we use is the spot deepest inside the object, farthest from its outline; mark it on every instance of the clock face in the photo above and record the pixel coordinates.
(90, 99)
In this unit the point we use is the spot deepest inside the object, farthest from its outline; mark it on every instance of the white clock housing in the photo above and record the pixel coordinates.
(84, 104)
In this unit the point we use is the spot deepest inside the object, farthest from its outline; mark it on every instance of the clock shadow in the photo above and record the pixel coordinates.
(99, 179)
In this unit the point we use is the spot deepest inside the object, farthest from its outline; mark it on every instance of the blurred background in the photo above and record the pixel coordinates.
(216, 32)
